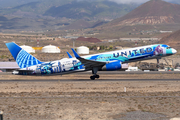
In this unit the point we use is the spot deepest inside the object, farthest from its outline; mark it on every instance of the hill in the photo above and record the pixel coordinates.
(152, 12)
(82, 24)
(92, 40)
(13, 3)
(74, 9)
(146, 20)
(79, 24)
(172, 40)
(58, 14)
(90, 10)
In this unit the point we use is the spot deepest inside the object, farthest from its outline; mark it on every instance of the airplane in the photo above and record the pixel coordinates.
(107, 61)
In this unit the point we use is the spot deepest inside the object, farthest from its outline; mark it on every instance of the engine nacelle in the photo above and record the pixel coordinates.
(112, 66)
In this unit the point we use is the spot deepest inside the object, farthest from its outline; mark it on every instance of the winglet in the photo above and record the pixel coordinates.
(75, 54)
(69, 55)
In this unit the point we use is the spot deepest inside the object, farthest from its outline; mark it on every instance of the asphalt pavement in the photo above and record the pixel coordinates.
(85, 80)
(117, 72)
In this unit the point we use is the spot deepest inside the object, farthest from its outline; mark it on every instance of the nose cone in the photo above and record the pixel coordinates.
(174, 51)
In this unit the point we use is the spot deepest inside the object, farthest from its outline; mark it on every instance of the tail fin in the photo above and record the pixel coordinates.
(69, 55)
(75, 53)
(22, 58)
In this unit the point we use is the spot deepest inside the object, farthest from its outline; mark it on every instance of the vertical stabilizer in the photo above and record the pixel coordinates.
(69, 55)
(22, 58)
(75, 53)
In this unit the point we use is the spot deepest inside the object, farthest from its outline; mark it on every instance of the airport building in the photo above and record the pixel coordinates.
(28, 49)
(50, 49)
(8, 66)
(83, 50)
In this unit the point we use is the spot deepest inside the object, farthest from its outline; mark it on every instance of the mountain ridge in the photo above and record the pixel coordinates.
(92, 10)
(150, 13)
(172, 39)
(33, 15)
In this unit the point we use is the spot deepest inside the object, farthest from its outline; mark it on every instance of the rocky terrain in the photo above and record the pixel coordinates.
(152, 100)
(154, 15)
(92, 40)
(152, 12)
(172, 40)
(43, 15)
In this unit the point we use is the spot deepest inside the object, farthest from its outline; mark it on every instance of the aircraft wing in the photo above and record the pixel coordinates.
(88, 63)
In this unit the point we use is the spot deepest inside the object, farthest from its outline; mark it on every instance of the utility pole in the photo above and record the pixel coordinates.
(73, 43)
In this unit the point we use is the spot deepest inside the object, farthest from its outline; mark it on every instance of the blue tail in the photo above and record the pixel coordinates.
(22, 58)
(75, 53)
(69, 55)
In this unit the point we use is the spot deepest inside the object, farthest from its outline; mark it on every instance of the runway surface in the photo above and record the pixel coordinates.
(74, 97)
(117, 72)
(85, 80)
(84, 77)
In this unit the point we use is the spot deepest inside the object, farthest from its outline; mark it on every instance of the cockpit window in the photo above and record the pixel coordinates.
(168, 48)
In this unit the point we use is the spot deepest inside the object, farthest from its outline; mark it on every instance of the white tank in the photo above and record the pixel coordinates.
(50, 49)
(83, 50)
(28, 49)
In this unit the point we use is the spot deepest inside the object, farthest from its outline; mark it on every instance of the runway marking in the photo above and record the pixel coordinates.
(89, 97)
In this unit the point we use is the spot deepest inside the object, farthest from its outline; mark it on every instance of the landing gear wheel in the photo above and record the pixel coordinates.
(97, 76)
(92, 77)
(157, 66)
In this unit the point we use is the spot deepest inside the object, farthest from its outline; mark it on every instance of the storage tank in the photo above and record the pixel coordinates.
(28, 49)
(83, 50)
(50, 49)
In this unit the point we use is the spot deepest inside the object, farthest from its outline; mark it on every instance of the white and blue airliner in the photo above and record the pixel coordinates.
(107, 61)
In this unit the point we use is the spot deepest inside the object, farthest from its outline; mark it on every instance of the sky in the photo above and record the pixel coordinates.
(137, 1)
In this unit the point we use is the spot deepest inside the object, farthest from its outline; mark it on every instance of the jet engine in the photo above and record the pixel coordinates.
(112, 66)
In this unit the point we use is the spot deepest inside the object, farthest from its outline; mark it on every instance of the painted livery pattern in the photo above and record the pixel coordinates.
(24, 59)
(133, 54)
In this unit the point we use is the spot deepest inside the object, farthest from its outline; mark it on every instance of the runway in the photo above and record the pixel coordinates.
(134, 72)
(85, 97)
(105, 76)
(87, 80)
(117, 72)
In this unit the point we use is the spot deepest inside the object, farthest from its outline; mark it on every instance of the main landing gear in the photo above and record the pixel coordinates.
(94, 77)
(94, 72)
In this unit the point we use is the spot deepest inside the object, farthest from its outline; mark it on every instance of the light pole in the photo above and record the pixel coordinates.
(73, 43)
